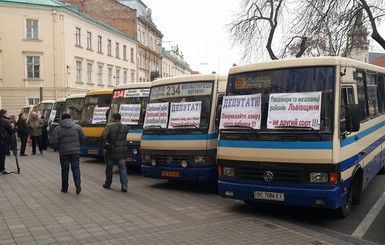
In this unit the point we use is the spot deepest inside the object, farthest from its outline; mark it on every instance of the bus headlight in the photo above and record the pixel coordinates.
(199, 159)
(135, 151)
(153, 162)
(319, 177)
(184, 163)
(228, 171)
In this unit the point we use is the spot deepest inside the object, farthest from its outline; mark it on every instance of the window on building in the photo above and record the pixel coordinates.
(89, 72)
(100, 47)
(125, 77)
(100, 74)
(109, 51)
(124, 52)
(78, 71)
(33, 101)
(132, 76)
(109, 76)
(32, 29)
(33, 67)
(117, 76)
(117, 50)
(89, 40)
(78, 40)
(132, 55)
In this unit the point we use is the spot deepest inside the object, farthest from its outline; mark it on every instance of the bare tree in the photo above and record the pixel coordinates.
(315, 27)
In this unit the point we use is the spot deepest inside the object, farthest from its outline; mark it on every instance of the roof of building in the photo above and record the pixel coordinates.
(71, 8)
(376, 58)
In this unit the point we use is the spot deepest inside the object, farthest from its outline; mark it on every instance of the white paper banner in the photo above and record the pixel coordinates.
(185, 114)
(52, 116)
(99, 115)
(241, 110)
(130, 113)
(156, 115)
(294, 110)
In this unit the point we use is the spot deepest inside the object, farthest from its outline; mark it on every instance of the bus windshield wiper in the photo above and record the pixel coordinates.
(183, 126)
(154, 126)
(294, 127)
(245, 127)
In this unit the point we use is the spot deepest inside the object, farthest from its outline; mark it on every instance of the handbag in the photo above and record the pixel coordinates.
(110, 146)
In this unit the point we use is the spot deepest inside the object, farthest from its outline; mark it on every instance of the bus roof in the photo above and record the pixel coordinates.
(189, 78)
(304, 62)
(133, 85)
(102, 91)
(75, 96)
(60, 100)
(46, 101)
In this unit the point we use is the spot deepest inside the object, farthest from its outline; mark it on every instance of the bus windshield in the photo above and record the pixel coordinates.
(131, 104)
(95, 109)
(187, 104)
(287, 84)
(74, 108)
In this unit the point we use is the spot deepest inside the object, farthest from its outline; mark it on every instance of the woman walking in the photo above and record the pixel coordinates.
(35, 125)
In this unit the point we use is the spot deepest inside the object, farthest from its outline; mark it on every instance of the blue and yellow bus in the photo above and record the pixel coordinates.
(130, 100)
(306, 132)
(93, 121)
(179, 140)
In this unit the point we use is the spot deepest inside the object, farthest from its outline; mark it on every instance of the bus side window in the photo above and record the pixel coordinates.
(218, 111)
(347, 97)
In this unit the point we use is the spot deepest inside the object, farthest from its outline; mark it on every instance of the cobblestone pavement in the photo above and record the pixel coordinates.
(34, 211)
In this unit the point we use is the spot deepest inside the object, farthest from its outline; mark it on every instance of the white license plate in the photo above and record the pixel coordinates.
(275, 196)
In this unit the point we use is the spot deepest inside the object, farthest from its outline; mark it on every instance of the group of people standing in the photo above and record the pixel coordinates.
(66, 139)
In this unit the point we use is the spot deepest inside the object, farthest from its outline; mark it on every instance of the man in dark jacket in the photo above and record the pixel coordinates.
(22, 131)
(6, 132)
(114, 135)
(66, 140)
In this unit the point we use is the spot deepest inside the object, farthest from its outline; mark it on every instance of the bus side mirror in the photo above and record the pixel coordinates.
(352, 114)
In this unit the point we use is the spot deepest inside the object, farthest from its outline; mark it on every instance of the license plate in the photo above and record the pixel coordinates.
(275, 196)
(129, 159)
(93, 152)
(170, 174)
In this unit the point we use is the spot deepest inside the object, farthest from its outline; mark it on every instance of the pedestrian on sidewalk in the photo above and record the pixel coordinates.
(22, 131)
(44, 134)
(35, 125)
(113, 140)
(6, 132)
(66, 140)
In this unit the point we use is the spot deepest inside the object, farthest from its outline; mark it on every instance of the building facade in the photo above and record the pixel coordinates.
(49, 50)
(174, 64)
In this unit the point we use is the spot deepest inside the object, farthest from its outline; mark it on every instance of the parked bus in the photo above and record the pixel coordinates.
(44, 108)
(179, 139)
(56, 113)
(57, 110)
(306, 132)
(26, 110)
(93, 121)
(130, 100)
(74, 106)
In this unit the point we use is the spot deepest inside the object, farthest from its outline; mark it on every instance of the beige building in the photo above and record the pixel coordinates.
(49, 50)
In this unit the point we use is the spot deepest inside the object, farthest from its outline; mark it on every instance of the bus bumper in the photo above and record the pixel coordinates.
(133, 161)
(190, 174)
(91, 151)
(330, 198)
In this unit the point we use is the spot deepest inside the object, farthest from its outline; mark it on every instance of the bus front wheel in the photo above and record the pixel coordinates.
(345, 209)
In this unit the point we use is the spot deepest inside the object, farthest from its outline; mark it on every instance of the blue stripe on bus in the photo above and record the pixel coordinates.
(135, 131)
(181, 137)
(366, 132)
(277, 145)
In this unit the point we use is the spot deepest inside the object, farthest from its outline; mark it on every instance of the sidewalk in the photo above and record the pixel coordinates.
(34, 211)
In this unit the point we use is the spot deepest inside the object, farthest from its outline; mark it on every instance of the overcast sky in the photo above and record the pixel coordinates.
(199, 29)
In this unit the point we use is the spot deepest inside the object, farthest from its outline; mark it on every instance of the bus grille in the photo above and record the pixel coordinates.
(280, 174)
(174, 160)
